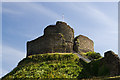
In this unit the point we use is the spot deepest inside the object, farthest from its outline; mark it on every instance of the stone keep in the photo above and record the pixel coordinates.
(56, 38)
(59, 38)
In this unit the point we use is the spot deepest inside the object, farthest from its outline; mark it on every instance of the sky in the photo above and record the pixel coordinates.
(25, 21)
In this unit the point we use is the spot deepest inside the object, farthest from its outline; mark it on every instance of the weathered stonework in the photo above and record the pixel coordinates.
(63, 28)
(83, 44)
(59, 38)
(112, 62)
(56, 38)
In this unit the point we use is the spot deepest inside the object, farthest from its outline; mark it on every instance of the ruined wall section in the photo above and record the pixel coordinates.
(63, 28)
(59, 38)
(56, 38)
(112, 62)
(83, 44)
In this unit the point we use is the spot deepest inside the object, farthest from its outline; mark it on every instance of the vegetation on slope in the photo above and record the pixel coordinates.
(91, 55)
(47, 66)
(94, 69)
(56, 65)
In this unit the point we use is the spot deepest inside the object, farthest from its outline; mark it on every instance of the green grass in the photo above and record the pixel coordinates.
(47, 66)
(91, 55)
(104, 78)
(56, 65)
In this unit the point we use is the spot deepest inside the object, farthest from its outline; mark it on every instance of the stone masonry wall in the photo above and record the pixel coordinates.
(61, 27)
(112, 62)
(59, 38)
(56, 38)
(83, 44)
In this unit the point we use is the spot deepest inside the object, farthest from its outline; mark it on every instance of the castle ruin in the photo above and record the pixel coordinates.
(112, 62)
(59, 38)
(83, 44)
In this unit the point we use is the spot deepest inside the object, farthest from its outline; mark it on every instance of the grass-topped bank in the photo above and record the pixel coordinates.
(48, 57)
(91, 55)
(56, 65)
(50, 65)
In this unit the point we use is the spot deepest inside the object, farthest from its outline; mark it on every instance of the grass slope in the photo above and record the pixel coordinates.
(47, 66)
(55, 65)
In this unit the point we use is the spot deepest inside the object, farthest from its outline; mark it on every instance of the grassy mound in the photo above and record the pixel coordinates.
(47, 66)
(56, 65)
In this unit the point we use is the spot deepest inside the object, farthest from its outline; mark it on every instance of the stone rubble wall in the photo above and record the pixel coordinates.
(112, 62)
(83, 44)
(56, 38)
(59, 38)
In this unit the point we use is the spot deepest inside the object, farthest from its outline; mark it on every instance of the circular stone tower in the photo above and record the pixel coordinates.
(56, 38)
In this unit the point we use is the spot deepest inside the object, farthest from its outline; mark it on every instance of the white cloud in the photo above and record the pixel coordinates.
(6, 10)
(96, 15)
(7, 50)
(43, 10)
(109, 29)
(10, 58)
(32, 8)
(103, 19)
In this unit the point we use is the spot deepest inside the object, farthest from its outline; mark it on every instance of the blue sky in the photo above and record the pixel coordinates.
(26, 21)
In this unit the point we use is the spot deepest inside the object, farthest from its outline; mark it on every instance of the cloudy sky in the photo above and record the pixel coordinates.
(22, 22)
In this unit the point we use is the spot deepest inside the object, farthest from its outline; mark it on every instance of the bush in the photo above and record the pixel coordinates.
(93, 55)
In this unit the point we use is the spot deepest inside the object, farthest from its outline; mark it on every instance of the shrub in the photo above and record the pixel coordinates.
(93, 55)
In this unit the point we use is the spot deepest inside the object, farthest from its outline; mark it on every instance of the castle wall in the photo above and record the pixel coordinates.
(59, 38)
(83, 44)
(63, 28)
(56, 38)
(112, 62)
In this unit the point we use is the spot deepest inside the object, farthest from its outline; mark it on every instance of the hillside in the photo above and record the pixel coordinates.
(56, 65)
(47, 66)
